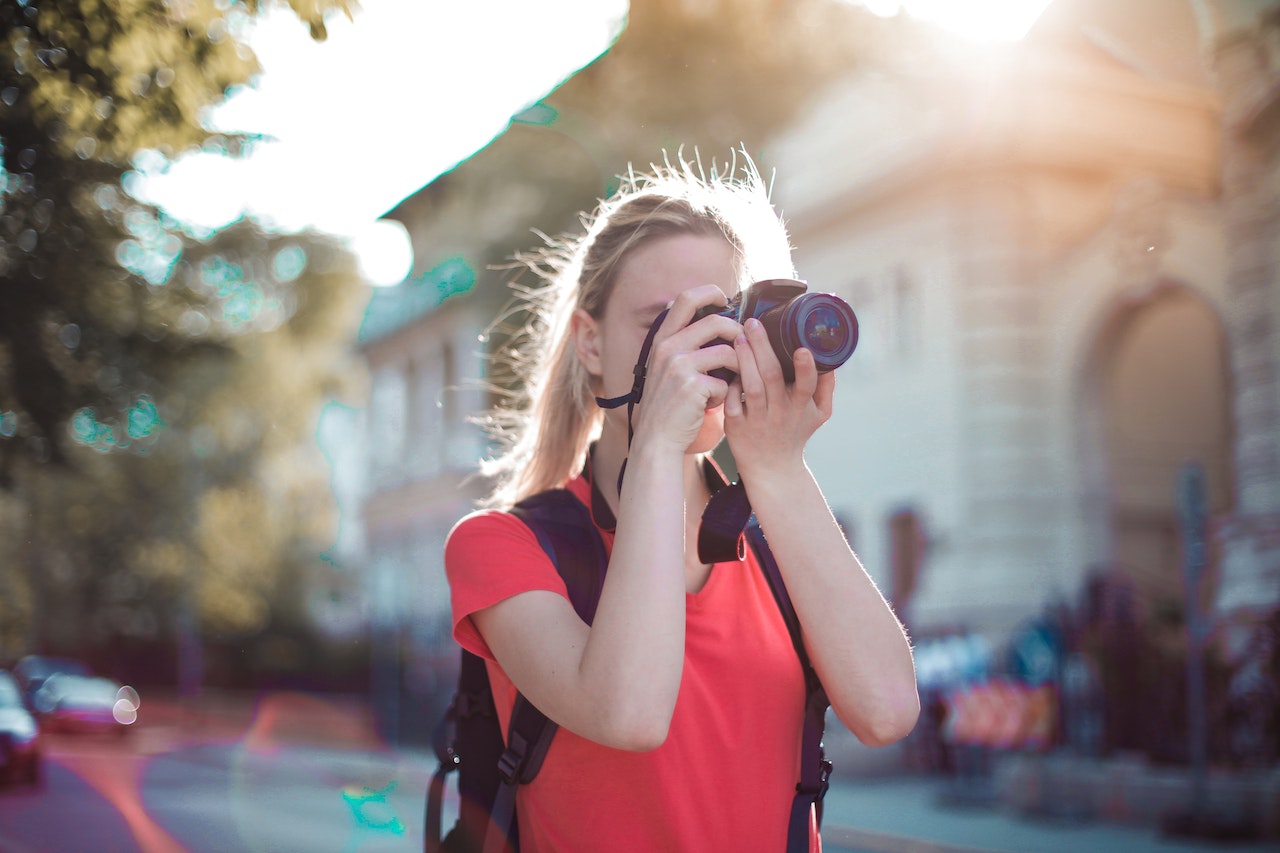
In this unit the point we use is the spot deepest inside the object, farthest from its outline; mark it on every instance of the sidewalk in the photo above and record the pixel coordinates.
(1023, 804)
(912, 815)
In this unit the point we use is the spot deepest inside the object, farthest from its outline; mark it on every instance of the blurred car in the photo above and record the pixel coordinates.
(32, 671)
(76, 703)
(20, 750)
(65, 696)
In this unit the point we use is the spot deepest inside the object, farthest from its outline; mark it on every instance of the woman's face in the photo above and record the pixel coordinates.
(648, 279)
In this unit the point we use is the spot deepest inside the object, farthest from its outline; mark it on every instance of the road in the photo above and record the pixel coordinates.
(297, 773)
(133, 795)
(154, 793)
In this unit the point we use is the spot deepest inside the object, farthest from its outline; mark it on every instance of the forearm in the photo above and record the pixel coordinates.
(633, 659)
(856, 643)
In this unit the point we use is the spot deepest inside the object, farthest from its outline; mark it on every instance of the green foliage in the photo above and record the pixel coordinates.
(158, 393)
(222, 492)
(89, 318)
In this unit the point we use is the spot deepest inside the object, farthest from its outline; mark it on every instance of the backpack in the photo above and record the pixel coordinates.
(469, 738)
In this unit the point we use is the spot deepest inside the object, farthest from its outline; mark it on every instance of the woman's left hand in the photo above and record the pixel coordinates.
(767, 421)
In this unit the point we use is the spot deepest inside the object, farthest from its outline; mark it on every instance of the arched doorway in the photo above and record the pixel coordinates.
(1164, 397)
(1157, 394)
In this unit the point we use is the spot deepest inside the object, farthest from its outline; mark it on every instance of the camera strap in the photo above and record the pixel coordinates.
(632, 397)
(727, 513)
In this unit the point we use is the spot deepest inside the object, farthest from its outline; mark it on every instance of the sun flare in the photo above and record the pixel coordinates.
(980, 20)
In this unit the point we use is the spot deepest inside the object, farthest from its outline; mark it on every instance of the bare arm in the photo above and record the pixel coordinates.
(615, 682)
(856, 643)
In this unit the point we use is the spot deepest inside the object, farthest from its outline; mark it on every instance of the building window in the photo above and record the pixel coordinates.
(905, 321)
(906, 555)
(388, 411)
(430, 435)
(866, 305)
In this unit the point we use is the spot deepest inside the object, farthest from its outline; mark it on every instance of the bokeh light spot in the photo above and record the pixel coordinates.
(125, 713)
(69, 335)
(384, 251)
(144, 418)
(289, 263)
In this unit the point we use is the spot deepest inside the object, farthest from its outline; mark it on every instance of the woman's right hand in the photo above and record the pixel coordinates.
(679, 389)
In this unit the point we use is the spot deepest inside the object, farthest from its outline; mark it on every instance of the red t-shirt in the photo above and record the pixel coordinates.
(725, 777)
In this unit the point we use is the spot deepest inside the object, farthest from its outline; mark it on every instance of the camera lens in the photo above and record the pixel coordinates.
(822, 323)
(824, 331)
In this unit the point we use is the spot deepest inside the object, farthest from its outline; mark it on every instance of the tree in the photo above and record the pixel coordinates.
(209, 503)
(158, 392)
(88, 313)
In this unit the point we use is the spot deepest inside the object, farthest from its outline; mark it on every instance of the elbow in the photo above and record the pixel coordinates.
(645, 740)
(637, 730)
(889, 722)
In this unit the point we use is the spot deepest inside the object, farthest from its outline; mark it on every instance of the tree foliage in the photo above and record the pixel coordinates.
(86, 313)
(158, 391)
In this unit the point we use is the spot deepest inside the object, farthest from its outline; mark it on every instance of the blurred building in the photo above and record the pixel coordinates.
(424, 383)
(1063, 254)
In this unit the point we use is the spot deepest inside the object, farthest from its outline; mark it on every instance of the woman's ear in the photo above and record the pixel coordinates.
(586, 340)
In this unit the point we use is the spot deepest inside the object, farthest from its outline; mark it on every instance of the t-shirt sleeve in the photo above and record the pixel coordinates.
(489, 557)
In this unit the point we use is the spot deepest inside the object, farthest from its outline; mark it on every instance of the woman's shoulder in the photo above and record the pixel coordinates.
(482, 520)
(485, 527)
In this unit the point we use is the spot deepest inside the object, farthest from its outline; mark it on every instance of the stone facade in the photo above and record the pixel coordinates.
(1063, 258)
(1247, 61)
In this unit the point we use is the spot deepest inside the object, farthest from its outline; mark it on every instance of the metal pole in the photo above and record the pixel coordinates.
(1192, 511)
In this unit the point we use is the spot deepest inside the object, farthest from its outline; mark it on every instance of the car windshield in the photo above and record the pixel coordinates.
(81, 688)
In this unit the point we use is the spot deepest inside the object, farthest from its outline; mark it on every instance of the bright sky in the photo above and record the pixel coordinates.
(408, 89)
(981, 20)
(378, 110)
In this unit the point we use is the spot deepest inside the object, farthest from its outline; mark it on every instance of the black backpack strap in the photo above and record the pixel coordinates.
(472, 719)
(815, 769)
(567, 532)
(569, 537)
(528, 739)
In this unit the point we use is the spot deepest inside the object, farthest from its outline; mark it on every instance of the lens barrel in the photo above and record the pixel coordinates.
(822, 323)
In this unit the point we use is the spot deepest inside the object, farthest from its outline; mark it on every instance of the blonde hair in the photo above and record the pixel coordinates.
(547, 429)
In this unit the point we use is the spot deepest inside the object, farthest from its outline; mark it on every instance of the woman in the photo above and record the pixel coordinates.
(680, 706)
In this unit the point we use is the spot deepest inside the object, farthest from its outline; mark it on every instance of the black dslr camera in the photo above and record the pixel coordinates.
(822, 323)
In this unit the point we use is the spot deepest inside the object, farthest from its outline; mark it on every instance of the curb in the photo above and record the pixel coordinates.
(872, 841)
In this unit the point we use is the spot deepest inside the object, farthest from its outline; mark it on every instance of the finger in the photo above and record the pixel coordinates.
(733, 405)
(749, 371)
(714, 357)
(688, 333)
(705, 342)
(708, 330)
(806, 378)
(682, 309)
(824, 397)
(768, 367)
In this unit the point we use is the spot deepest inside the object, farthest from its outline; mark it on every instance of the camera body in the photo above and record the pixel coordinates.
(822, 323)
